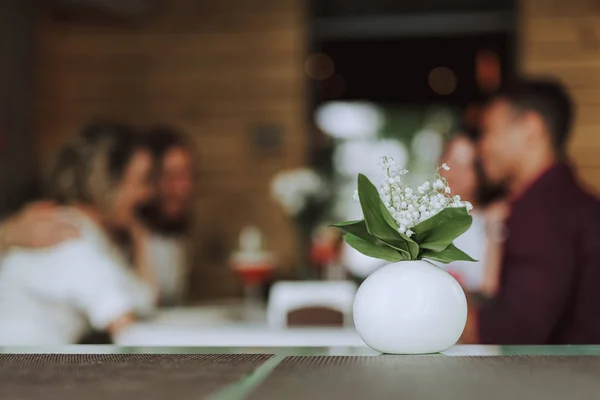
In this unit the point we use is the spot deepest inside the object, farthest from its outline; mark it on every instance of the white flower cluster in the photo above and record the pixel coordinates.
(409, 207)
(293, 189)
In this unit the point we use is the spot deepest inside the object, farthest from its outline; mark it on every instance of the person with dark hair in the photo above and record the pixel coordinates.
(166, 218)
(54, 295)
(551, 240)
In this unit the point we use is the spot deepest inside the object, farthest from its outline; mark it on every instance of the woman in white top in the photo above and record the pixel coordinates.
(166, 218)
(464, 179)
(158, 243)
(57, 294)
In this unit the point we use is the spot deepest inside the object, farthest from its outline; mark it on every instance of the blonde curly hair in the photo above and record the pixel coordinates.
(88, 169)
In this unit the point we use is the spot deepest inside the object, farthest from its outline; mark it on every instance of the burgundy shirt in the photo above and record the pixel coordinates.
(550, 280)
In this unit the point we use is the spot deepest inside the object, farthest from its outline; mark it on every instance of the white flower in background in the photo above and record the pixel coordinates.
(294, 188)
(409, 208)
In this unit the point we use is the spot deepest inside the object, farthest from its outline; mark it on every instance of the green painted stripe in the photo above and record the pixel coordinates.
(242, 388)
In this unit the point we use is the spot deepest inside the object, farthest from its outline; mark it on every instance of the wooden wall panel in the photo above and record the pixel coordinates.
(562, 38)
(216, 69)
(17, 91)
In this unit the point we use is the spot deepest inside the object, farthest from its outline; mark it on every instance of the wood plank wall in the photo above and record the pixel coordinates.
(17, 175)
(218, 69)
(562, 38)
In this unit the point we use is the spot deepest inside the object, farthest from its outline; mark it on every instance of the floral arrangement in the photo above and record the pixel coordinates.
(400, 223)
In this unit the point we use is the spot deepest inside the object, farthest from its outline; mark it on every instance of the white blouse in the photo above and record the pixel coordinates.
(167, 257)
(55, 295)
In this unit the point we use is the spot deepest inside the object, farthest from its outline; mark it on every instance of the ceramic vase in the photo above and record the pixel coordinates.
(410, 307)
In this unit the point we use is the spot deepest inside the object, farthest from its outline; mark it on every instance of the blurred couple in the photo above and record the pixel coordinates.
(106, 245)
(541, 266)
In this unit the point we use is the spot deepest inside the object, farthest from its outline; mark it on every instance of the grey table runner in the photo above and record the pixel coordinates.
(433, 377)
(121, 376)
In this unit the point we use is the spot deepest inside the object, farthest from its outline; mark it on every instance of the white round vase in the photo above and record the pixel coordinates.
(410, 307)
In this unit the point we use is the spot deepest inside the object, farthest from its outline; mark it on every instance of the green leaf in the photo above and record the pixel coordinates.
(439, 231)
(410, 245)
(359, 229)
(377, 250)
(387, 216)
(405, 253)
(448, 255)
(373, 210)
(378, 219)
(413, 247)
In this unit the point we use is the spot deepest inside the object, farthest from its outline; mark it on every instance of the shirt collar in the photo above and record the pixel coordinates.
(551, 173)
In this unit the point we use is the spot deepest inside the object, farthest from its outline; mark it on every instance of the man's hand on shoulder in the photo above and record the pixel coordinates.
(37, 225)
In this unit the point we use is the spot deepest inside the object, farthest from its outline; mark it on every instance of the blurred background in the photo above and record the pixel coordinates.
(280, 96)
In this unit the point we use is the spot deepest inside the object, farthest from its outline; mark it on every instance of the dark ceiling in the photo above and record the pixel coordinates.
(349, 8)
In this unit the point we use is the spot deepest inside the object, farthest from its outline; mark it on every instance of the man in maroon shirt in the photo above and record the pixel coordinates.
(549, 289)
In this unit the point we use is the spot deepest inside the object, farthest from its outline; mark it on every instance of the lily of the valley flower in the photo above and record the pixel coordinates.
(409, 208)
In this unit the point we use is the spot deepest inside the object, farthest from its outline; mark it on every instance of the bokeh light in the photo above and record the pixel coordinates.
(442, 81)
(488, 71)
(362, 156)
(319, 66)
(427, 145)
(346, 120)
(334, 87)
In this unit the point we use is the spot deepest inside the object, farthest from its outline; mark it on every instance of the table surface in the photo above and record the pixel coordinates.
(458, 350)
(228, 324)
(465, 372)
